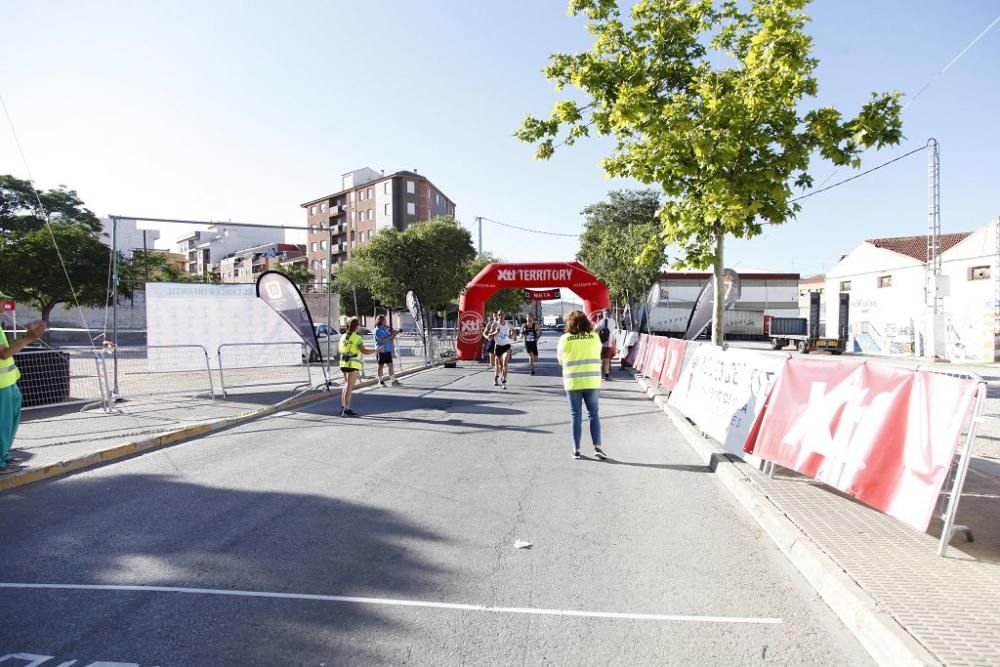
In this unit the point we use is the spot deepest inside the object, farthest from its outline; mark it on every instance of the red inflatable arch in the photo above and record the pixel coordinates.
(500, 275)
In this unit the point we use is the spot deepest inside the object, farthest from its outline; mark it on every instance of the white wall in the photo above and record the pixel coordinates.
(969, 304)
(883, 320)
(383, 197)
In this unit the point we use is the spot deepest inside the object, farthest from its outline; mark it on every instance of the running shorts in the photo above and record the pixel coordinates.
(491, 346)
(345, 369)
(605, 353)
(531, 347)
(501, 350)
(385, 357)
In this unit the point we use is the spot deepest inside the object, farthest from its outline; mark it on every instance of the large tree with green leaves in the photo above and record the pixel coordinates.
(431, 258)
(621, 242)
(351, 282)
(31, 233)
(706, 99)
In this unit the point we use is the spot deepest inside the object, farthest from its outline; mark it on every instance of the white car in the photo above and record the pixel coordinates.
(329, 340)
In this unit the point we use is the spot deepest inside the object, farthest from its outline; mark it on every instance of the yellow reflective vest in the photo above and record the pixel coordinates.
(580, 356)
(350, 351)
(8, 370)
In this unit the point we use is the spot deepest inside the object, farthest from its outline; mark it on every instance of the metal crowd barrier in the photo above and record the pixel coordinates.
(158, 370)
(247, 365)
(60, 377)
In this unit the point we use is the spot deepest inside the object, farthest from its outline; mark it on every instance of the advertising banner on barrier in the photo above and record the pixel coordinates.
(674, 363)
(884, 435)
(657, 355)
(723, 391)
(643, 354)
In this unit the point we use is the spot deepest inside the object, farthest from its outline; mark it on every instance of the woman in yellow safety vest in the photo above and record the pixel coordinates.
(579, 352)
(10, 395)
(351, 347)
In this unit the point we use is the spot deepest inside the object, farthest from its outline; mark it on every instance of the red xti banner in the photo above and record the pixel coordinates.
(884, 435)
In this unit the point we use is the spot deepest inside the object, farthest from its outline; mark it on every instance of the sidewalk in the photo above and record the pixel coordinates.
(905, 604)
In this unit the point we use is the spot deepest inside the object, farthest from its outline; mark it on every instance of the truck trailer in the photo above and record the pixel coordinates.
(804, 334)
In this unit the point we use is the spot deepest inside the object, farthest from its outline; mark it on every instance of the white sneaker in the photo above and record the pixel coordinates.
(599, 453)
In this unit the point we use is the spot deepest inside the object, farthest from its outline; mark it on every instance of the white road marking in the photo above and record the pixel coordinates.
(401, 603)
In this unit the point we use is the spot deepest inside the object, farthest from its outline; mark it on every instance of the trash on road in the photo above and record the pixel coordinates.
(521, 544)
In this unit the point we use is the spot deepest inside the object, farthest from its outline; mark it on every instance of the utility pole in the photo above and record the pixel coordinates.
(933, 300)
(479, 220)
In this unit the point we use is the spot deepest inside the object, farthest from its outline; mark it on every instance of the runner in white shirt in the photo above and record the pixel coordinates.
(502, 344)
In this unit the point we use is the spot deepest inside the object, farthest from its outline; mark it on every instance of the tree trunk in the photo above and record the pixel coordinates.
(719, 295)
(46, 312)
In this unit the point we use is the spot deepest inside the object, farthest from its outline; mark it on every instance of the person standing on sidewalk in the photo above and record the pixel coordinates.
(10, 394)
(351, 347)
(384, 347)
(605, 332)
(579, 352)
(531, 333)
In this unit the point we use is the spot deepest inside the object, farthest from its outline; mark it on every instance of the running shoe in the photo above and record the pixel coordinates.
(599, 453)
(496, 382)
(397, 383)
(504, 385)
(532, 371)
(576, 454)
(348, 413)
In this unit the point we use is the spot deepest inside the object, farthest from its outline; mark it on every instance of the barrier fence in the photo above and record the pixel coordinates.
(63, 377)
(246, 365)
(159, 370)
(887, 436)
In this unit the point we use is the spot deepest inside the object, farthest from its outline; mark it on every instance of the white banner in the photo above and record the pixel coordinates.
(724, 391)
(211, 315)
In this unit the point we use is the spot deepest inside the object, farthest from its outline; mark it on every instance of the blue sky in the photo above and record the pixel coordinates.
(243, 110)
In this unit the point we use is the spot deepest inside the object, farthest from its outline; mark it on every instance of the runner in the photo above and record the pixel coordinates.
(531, 333)
(489, 331)
(501, 351)
(605, 331)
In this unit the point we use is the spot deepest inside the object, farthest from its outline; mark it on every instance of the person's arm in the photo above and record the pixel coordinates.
(559, 349)
(35, 331)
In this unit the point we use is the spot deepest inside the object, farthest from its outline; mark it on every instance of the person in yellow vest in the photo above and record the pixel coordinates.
(10, 395)
(351, 348)
(579, 352)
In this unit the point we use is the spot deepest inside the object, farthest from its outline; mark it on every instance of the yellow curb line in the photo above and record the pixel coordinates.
(117, 452)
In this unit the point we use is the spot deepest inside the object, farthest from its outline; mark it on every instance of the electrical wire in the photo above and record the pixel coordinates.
(527, 229)
(857, 176)
(48, 222)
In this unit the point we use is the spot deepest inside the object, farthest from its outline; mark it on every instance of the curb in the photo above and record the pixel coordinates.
(882, 637)
(129, 449)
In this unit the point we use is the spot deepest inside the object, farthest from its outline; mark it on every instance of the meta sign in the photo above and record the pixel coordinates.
(542, 294)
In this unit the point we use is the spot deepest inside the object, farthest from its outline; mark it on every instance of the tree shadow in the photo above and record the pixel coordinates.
(154, 530)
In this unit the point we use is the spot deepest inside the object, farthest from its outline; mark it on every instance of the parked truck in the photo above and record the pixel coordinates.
(804, 333)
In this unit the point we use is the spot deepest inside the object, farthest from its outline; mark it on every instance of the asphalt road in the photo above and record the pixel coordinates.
(421, 500)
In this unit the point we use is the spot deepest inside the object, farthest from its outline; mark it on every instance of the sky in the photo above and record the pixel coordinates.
(233, 110)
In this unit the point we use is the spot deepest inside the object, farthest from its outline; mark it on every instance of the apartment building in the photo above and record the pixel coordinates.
(203, 250)
(367, 202)
(244, 266)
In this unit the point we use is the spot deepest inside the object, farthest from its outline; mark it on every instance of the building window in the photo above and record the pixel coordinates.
(371, 214)
(371, 192)
(845, 285)
(322, 207)
(350, 196)
(411, 208)
(885, 281)
(314, 246)
(979, 273)
(362, 195)
(387, 209)
(385, 187)
(323, 263)
(411, 187)
(322, 245)
(315, 264)
(312, 210)
(352, 215)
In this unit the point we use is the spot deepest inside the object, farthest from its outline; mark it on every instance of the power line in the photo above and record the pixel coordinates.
(527, 229)
(857, 176)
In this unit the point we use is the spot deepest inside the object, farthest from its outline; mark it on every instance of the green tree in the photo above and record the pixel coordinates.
(20, 210)
(299, 275)
(431, 258)
(152, 265)
(621, 243)
(507, 300)
(351, 283)
(32, 272)
(29, 236)
(704, 98)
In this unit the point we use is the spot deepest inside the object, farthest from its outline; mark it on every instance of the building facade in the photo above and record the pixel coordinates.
(367, 202)
(244, 266)
(203, 250)
(890, 313)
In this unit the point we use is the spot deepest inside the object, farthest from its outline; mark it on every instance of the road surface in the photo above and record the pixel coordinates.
(308, 539)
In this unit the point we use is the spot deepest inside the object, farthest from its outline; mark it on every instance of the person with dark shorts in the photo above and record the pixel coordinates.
(531, 332)
(351, 348)
(384, 347)
(489, 331)
(503, 339)
(604, 332)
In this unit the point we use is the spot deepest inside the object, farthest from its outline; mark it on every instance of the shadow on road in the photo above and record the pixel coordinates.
(118, 530)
